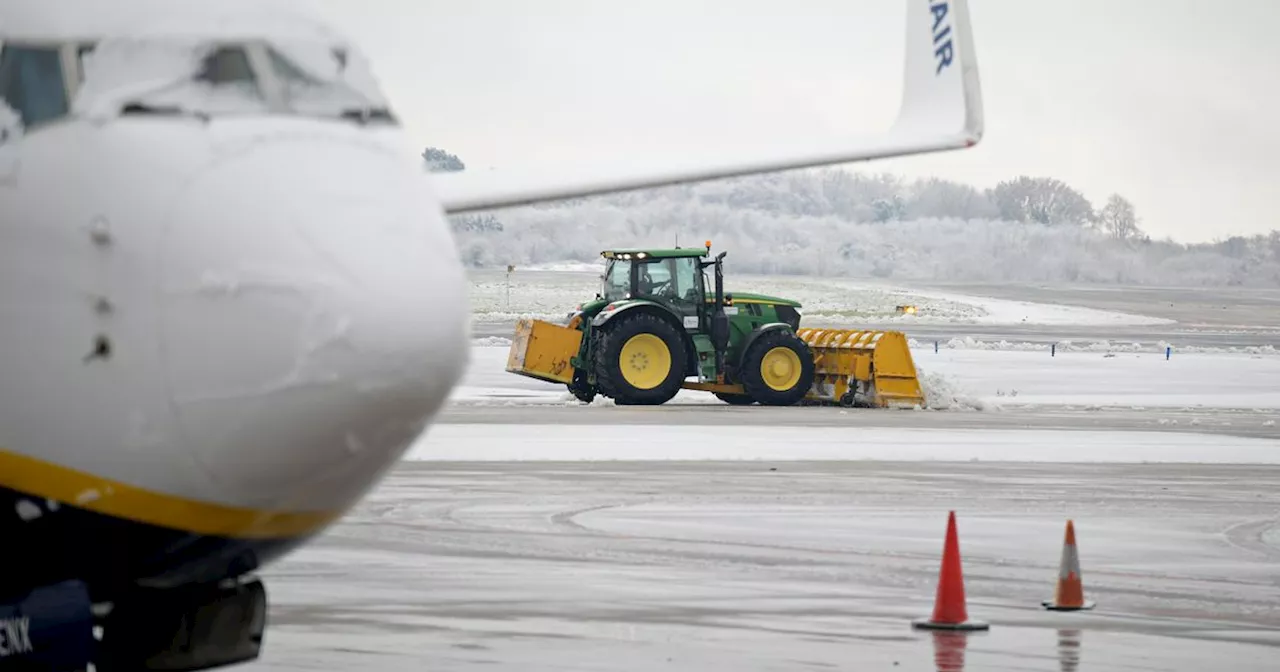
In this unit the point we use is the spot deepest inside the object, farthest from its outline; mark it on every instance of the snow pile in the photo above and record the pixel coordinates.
(942, 393)
(491, 342)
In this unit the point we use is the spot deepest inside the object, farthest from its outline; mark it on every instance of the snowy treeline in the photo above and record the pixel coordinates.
(837, 222)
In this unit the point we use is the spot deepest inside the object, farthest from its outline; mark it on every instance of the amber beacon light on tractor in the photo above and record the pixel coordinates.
(658, 325)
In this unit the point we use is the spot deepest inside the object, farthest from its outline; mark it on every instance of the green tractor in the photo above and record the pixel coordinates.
(658, 325)
(658, 321)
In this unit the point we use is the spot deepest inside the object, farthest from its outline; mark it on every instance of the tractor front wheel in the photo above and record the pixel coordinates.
(640, 360)
(777, 370)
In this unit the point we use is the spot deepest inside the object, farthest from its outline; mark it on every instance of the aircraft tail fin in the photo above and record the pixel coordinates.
(941, 111)
(941, 90)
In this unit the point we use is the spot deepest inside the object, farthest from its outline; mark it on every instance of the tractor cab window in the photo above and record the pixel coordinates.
(656, 279)
(32, 84)
(617, 280)
(672, 279)
(686, 287)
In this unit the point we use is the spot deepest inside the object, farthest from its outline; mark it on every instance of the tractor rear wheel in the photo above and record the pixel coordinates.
(777, 370)
(639, 360)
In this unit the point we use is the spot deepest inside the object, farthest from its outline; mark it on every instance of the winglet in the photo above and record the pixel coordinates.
(941, 110)
(941, 90)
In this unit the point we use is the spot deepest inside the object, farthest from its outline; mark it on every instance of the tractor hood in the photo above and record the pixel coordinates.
(750, 297)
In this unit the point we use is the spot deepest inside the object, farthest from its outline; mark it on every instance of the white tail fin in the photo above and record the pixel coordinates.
(941, 110)
(941, 92)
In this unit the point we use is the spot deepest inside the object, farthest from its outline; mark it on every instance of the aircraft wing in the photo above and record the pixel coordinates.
(941, 110)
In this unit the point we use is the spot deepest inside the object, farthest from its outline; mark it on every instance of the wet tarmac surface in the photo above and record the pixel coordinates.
(1259, 423)
(784, 566)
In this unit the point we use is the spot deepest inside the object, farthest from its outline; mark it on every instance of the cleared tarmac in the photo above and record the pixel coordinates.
(772, 566)
(1260, 423)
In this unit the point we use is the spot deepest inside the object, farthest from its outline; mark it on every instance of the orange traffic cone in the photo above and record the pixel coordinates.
(1069, 594)
(949, 612)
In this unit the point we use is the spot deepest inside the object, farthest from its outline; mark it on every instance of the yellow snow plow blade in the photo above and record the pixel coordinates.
(873, 367)
(542, 350)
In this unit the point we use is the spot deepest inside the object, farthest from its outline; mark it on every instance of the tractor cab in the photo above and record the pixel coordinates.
(667, 275)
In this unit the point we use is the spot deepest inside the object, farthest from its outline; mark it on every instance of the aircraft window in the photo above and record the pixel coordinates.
(181, 76)
(229, 73)
(32, 83)
(228, 65)
(314, 82)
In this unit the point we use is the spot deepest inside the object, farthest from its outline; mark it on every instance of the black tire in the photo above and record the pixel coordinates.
(734, 399)
(753, 380)
(580, 388)
(610, 380)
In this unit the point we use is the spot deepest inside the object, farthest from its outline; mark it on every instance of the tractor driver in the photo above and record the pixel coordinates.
(663, 288)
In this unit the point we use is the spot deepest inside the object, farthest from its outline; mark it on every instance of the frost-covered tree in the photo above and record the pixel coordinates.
(1118, 219)
(941, 198)
(822, 222)
(437, 160)
(1044, 200)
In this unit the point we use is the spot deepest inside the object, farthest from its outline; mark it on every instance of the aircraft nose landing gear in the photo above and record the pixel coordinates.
(51, 628)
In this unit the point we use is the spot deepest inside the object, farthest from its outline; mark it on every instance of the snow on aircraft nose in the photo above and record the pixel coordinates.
(315, 318)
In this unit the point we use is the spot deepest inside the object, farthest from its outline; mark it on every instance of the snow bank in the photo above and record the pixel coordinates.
(1132, 380)
(963, 379)
(1102, 346)
(1001, 311)
(944, 393)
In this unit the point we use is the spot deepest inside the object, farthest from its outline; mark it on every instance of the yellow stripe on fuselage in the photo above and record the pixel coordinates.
(44, 480)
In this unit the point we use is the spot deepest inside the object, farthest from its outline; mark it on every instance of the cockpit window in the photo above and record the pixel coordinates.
(304, 77)
(227, 81)
(31, 83)
(315, 80)
(228, 65)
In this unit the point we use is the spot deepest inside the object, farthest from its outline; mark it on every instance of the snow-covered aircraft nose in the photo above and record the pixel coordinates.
(314, 318)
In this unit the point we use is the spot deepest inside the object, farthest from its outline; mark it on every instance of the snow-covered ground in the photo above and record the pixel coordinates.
(553, 292)
(1092, 379)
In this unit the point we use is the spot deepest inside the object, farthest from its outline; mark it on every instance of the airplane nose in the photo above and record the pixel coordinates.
(315, 317)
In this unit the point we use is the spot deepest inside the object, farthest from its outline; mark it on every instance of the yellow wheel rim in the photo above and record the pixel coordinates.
(644, 361)
(780, 368)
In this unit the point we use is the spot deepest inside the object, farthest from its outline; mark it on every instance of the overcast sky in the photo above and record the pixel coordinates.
(1172, 104)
